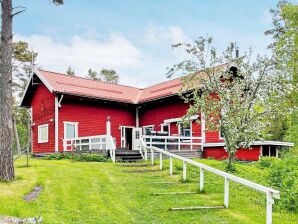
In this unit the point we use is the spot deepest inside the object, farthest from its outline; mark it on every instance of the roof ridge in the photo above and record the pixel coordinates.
(85, 78)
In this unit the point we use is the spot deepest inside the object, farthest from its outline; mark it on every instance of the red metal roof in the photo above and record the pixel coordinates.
(79, 86)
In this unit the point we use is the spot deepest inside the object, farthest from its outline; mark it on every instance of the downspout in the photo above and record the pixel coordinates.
(137, 117)
(57, 106)
(56, 123)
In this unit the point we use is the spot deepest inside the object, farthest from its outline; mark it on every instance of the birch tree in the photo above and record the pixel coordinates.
(236, 95)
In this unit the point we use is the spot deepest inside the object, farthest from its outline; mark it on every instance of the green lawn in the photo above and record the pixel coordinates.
(76, 192)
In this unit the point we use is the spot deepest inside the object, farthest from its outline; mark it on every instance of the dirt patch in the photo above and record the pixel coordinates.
(33, 194)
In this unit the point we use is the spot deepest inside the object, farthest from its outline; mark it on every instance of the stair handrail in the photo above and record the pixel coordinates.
(270, 193)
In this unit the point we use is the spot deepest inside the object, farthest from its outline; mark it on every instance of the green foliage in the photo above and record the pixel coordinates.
(70, 71)
(285, 52)
(236, 95)
(109, 75)
(283, 175)
(93, 75)
(105, 75)
(266, 162)
(77, 157)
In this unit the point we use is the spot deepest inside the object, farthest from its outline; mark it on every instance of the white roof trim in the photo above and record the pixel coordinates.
(44, 81)
(173, 120)
(277, 143)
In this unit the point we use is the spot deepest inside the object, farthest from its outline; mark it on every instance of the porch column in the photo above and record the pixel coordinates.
(108, 126)
(56, 124)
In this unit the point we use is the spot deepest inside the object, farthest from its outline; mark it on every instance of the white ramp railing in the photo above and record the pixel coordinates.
(89, 143)
(173, 142)
(270, 193)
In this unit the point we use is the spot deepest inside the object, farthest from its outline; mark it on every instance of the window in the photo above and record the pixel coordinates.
(185, 130)
(70, 130)
(221, 134)
(147, 129)
(43, 133)
(165, 128)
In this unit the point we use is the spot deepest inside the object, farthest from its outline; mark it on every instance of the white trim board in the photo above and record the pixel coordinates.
(277, 143)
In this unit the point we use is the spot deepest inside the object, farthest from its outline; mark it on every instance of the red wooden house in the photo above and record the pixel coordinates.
(65, 107)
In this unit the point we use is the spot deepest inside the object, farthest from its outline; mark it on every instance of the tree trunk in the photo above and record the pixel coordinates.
(6, 98)
(28, 145)
(16, 136)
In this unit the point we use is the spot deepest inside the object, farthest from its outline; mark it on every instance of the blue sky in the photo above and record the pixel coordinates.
(135, 37)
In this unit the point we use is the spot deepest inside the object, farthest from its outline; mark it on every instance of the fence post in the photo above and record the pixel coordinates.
(152, 157)
(184, 170)
(191, 140)
(179, 147)
(201, 179)
(171, 165)
(226, 197)
(160, 161)
(269, 207)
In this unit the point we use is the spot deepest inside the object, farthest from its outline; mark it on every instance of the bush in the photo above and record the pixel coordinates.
(90, 158)
(77, 157)
(266, 162)
(283, 176)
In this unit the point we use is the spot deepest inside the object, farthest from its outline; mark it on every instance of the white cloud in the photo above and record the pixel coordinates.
(83, 53)
(138, 66)
(157, 35)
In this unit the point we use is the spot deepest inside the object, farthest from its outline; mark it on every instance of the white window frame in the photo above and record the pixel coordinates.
(147, 126)
(39, 133)
(220, 136)
(190, 128)
(76, 128)
(162, 128)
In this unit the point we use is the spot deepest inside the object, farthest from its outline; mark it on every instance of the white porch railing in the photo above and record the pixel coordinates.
(88, 143)
(173, 142)
(270, 193)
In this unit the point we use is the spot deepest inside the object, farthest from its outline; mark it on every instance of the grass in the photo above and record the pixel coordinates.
(76, 192)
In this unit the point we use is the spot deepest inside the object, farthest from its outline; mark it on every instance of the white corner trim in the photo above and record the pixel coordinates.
(56, 124)
(39, 136)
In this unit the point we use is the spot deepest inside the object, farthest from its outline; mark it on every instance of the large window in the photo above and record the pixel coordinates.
(43, 133)
(70, 130)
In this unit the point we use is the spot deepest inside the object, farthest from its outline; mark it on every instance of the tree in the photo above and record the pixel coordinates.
(235, 95)
(70, 71)
(109, 75)
(285, 51)
(93, 75)
(23, 62)
(6, 97)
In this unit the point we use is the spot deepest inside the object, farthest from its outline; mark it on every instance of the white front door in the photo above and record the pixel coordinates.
(136, 138)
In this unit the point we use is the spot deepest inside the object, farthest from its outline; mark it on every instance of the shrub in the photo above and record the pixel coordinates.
(78, 157)
(90, 158)
(266, 162)
(283, 176)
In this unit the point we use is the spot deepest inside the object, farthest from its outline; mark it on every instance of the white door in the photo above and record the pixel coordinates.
(136, 138)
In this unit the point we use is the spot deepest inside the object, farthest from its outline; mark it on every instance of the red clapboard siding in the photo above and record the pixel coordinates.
(43, 112)
(213, 136)
(92, 119)
(157, 114)
(242, 154)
